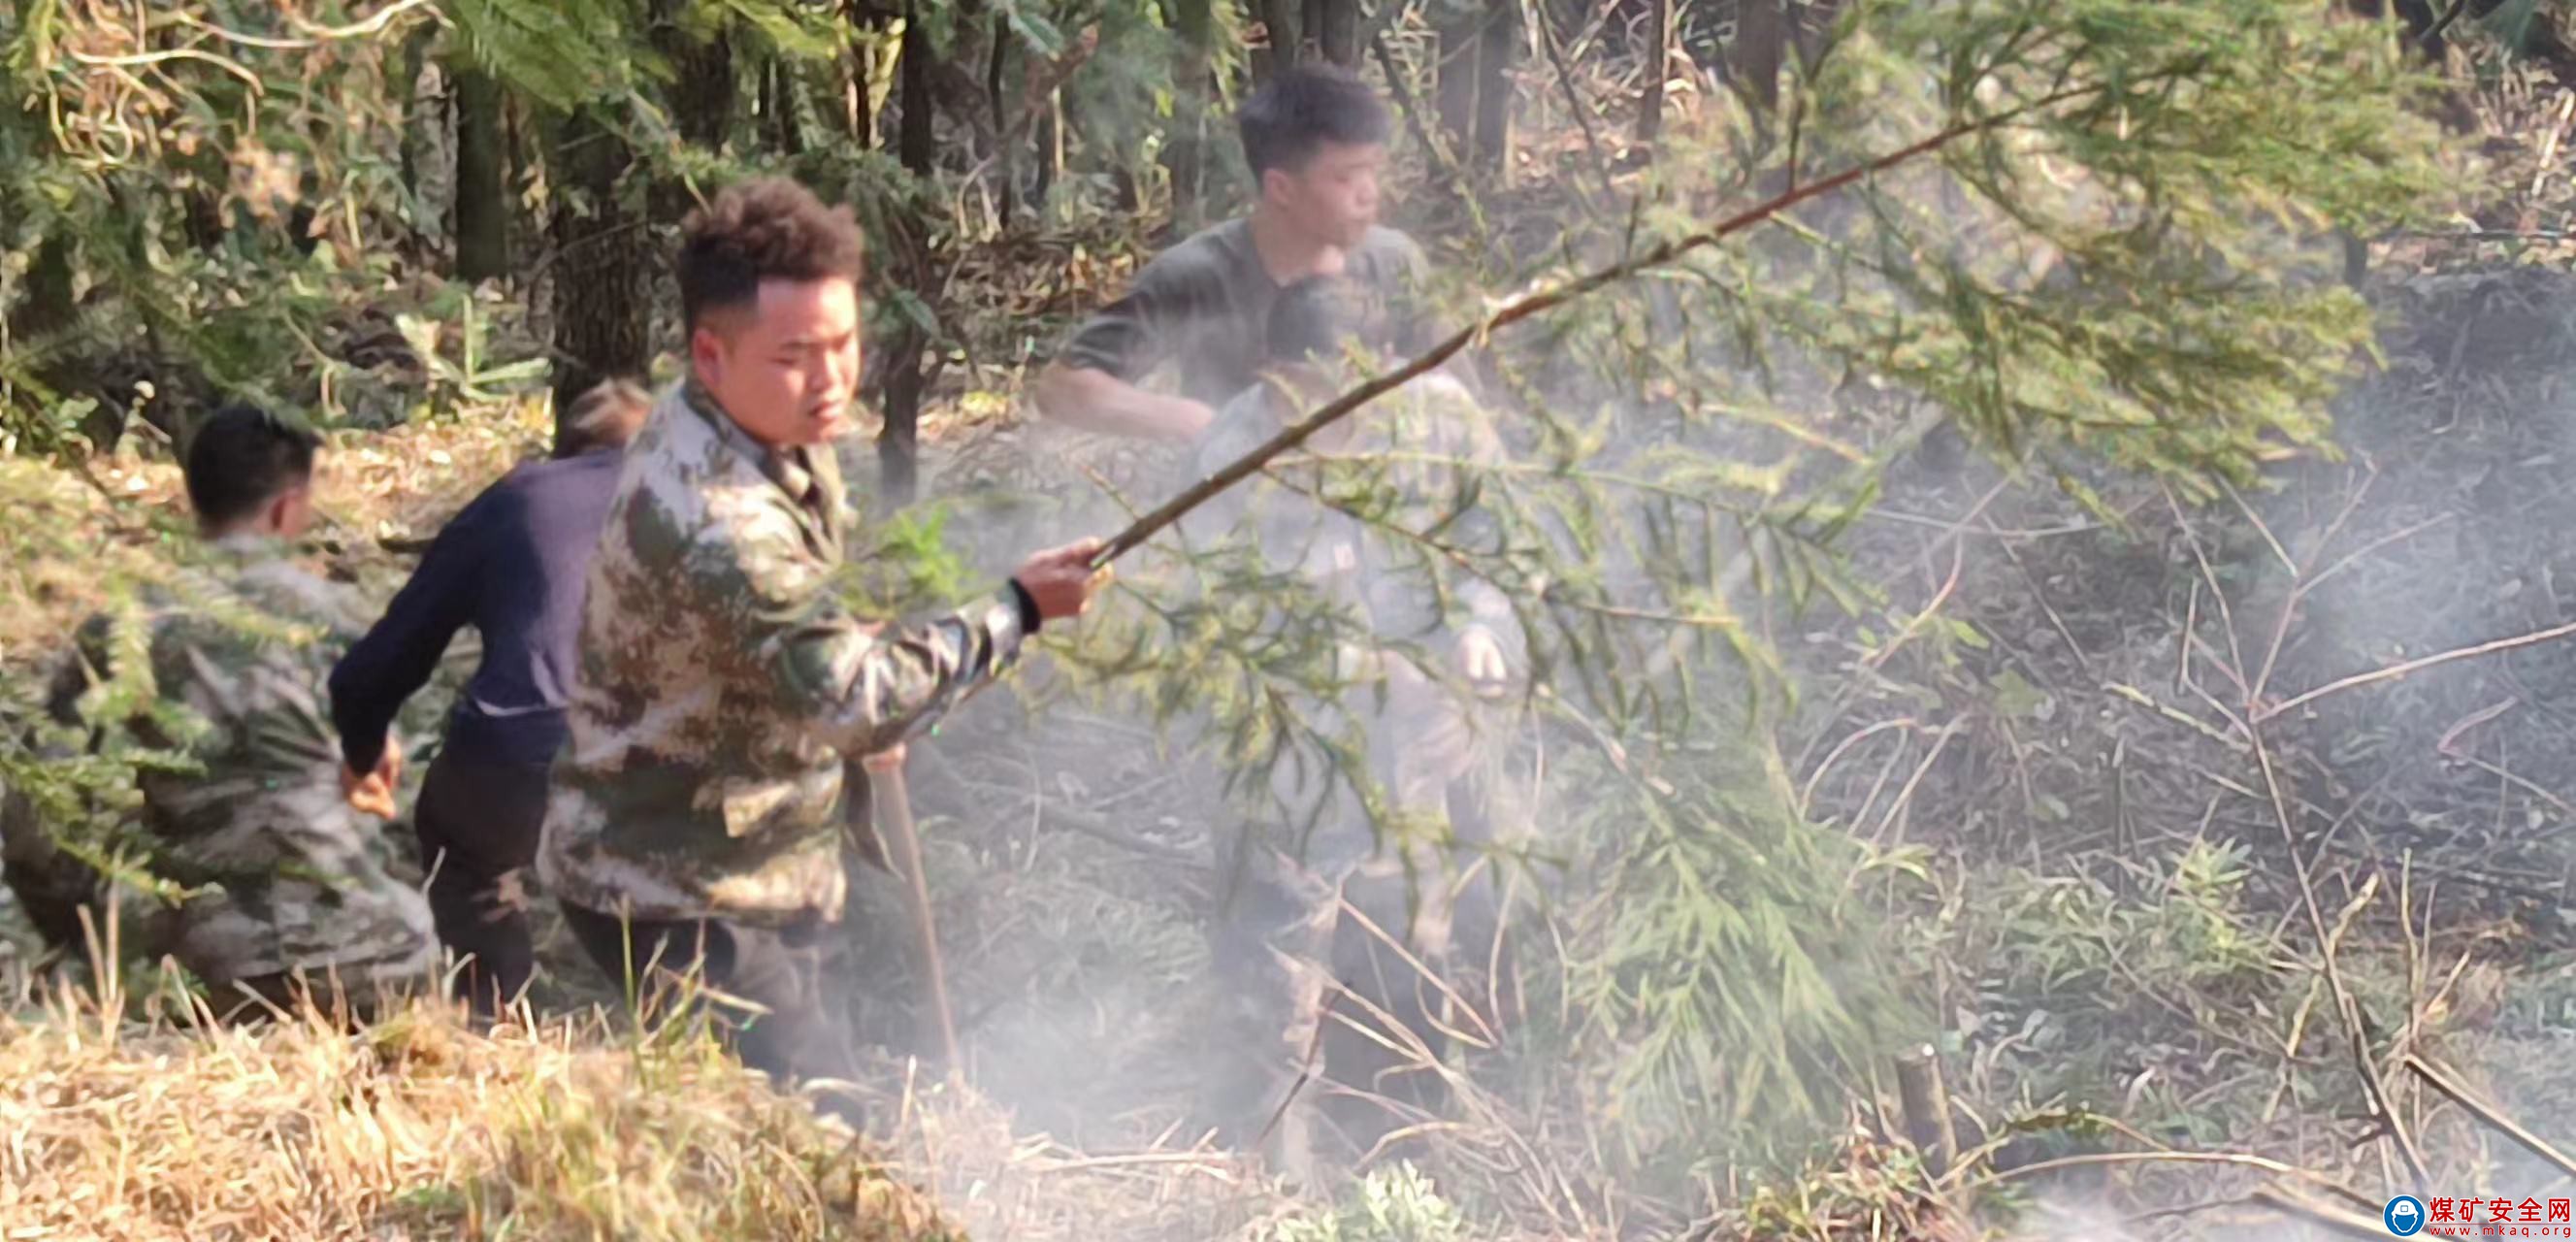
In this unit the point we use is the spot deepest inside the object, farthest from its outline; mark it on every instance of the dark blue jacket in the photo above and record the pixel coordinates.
(512, 566)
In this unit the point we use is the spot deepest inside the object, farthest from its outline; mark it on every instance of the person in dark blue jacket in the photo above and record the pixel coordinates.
(511, 564)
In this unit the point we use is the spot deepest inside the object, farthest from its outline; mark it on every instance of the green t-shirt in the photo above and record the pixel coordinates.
(1205, 305)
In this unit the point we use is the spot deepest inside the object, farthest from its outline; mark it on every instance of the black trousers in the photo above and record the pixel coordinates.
(478, 824)
(779, 969)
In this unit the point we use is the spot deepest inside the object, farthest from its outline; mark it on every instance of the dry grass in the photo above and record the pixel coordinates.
(117, 1122)
(112, 1129)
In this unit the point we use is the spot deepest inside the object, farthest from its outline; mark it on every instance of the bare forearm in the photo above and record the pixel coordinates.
(1101, 402)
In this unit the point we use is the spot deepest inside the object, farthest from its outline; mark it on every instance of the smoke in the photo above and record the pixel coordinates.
(1951, 647)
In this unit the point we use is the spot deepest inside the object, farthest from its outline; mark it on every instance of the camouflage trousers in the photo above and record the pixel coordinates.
(1347, 959)
(348, 947)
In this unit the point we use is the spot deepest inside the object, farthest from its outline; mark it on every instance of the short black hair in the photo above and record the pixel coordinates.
(243, 457)
(1302, 108)
(767, 228)
(607, 416)
(1318, 317)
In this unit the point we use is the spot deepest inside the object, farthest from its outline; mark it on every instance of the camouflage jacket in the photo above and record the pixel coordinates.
(283, 874)
(723, 682)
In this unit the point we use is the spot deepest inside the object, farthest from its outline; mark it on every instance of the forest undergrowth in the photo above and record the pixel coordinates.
(2206, 819)
(2066, 831)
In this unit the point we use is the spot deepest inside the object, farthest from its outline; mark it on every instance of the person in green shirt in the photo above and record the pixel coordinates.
(1315, 138)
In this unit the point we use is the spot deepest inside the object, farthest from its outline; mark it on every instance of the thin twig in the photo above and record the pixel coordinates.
(2375, 1088)
(1574, 104)
(1807, 795)
(2395, 671)
(2244, 1160)
(2332, 1219)
(2501, 1124)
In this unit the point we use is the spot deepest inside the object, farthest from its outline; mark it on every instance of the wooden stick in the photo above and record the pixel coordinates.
(894, 810)
(2484, 1112)
(1927, 1109)
(1531, 304)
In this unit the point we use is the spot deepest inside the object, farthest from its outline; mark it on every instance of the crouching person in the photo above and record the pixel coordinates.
(289, 893)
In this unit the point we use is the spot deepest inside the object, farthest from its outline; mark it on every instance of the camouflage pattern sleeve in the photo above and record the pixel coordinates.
(846, 685)
(51, 885)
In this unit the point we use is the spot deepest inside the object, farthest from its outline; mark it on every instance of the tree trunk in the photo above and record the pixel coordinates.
(1337, 32)
(603, 262)
(1657, 53)
(764, 104)
(916, 142)
(899, 442)
(1050, 141)
(852, 106)
(482, 181)
(699, 96)
(1280, 20)
(45, 301)
(858, 120)
(420, 119)
(1476, 49)
(786, 123)
(1006, 164)
(702, 86)
(1760, 49)
(1494, 87)
(1184, 152)
(1461, 50)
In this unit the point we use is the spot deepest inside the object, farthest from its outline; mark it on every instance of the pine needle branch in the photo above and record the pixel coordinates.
(1544, 300)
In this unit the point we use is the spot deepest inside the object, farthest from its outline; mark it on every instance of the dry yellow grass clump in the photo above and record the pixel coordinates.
(415, 1128)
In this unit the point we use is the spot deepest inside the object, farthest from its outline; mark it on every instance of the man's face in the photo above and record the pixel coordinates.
(1333, 198)
(787, 367)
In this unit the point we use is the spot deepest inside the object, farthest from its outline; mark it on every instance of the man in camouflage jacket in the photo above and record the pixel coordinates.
(696, 822)
(288, 890)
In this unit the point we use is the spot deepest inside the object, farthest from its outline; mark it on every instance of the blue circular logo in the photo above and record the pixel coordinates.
(2404, 1216)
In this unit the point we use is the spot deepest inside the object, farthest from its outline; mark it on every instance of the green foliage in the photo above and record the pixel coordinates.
(561, 55)
(214, 206)
(907, 567)
(469, 377)
(2115, 261)
(1745, 993)
(2083, 939)
(1392, 1204)
(2052, 979)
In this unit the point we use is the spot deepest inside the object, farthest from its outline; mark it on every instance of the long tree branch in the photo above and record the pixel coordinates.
(1532, 304)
